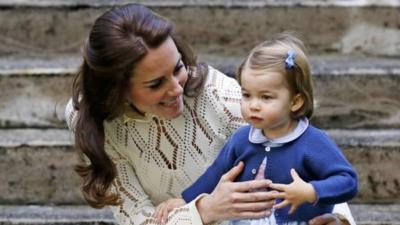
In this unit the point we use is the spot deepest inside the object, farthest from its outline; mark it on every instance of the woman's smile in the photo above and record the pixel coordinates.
(173, 103)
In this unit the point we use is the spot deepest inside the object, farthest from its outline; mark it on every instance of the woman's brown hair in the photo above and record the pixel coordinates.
(118, 40)
(271, 55)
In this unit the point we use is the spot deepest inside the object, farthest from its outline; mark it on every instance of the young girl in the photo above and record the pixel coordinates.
(306, 167)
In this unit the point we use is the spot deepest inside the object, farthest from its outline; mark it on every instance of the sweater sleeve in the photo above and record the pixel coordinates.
(336, 178)
(210, 178)
(136, 207)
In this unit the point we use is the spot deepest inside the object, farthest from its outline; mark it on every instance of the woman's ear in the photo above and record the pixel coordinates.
(297, 102)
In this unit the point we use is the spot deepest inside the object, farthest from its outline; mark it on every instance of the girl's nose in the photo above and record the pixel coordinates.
(254, 105)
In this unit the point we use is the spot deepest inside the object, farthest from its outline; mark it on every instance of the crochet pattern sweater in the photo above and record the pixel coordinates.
(157, 159)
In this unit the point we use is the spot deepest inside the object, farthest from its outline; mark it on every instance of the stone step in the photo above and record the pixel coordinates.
(225, 26)
(60, 215)
(202, 3)
(364, 214)
(351, 92)
(36, 165)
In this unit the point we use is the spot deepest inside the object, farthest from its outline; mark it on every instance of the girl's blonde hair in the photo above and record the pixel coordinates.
(271, 55)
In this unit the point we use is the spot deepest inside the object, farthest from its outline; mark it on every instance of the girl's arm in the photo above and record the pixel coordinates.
(337, 180)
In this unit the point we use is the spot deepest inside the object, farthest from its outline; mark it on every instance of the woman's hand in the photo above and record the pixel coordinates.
(232, 200)
(163, 209)
(328, 219)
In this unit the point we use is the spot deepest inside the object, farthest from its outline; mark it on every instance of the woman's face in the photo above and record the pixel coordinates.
(157, 83)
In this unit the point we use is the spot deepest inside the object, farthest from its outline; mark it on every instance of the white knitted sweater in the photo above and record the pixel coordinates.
(157, 158)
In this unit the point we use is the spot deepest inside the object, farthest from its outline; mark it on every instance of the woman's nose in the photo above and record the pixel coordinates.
(175, 88)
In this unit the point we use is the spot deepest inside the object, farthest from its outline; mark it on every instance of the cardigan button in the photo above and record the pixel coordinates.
(253, 171)
(267, 148)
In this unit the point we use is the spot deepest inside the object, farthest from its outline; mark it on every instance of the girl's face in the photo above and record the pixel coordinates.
(156, 86)
(267, 102)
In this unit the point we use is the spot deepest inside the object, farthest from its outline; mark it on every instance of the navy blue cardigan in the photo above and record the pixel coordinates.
(314, 156)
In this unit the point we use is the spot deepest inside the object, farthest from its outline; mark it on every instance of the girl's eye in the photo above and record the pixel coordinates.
(266, 97)
(245, 95)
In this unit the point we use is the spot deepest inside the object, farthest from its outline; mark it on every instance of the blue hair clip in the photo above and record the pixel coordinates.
(290, 59)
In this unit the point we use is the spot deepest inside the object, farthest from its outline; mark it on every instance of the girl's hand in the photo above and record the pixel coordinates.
(163, 209)
(232, 200)
(296, 193)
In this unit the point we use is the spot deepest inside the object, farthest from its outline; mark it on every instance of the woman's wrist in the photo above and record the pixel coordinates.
(203, 207)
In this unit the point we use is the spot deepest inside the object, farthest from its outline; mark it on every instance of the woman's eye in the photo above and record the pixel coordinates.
(178, 69)
(156, 84)
(245, 95)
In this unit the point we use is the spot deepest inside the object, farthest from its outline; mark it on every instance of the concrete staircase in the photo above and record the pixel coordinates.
(355, 54)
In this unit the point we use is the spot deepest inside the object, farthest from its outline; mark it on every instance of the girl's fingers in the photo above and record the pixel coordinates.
(294, 174)
(279, 187)
(281, 204)
(278, 195)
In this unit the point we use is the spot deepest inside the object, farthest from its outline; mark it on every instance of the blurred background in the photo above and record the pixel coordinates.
(355, 54)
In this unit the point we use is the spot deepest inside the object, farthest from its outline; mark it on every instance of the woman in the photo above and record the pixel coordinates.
(148, 120)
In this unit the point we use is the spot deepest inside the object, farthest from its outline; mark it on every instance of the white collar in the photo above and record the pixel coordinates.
(256, 136)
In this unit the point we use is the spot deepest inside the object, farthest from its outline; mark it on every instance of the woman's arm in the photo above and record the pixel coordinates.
(136, 207)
